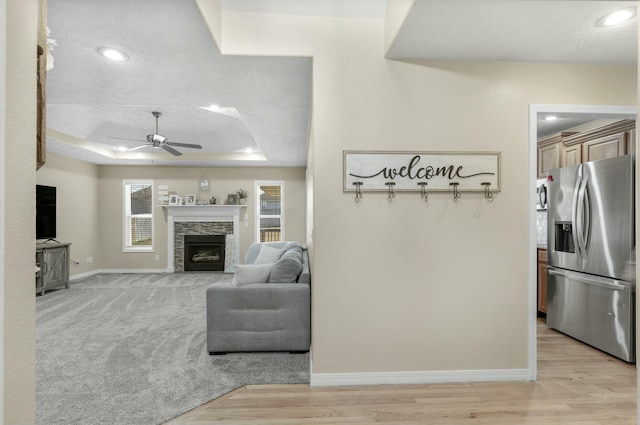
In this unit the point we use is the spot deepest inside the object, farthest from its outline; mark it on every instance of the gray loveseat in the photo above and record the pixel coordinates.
(262, 316)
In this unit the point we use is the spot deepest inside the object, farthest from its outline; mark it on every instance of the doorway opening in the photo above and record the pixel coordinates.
(567, 117)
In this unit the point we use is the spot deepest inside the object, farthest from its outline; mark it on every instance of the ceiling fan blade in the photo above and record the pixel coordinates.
(170, 149)
(124, 138)
(138, 147)
(184, 145)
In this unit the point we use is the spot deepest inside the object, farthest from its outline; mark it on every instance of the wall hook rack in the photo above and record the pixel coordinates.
(456, 194)
(423, 190)
(424, 172)
(390, 194)
(358, 191)
(487, 194)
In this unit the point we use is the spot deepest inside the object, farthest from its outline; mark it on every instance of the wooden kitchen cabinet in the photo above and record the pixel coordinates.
(548, 158)
(605, 147)
(542, 280)
(631, 142)
(551, 152)
(607, 141)
(571, 155)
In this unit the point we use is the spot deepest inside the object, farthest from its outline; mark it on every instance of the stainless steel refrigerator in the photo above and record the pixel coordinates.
(590, 251)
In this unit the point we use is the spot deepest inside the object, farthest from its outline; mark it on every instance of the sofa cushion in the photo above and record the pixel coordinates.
(268, 255)
(252, 273)
(286, 269)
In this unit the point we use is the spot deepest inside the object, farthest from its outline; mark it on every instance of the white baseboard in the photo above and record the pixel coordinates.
(79, 276)
(94, 272)
(420, 377)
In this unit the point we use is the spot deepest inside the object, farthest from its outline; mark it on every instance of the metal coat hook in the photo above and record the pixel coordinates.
(358, 191)
(487, 194)
(456, 194)
(391, 194)
(423, 191)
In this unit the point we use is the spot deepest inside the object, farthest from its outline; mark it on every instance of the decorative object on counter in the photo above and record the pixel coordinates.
(232, 199)
(174, 199)
(201, 202)
(204, 183)
(358, 192)
(212, 200)
(242, 196)
(373, 171)
(191, 200)
(390, 193)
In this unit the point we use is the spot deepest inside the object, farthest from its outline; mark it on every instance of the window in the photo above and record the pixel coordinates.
(138, 216)
(270, 211)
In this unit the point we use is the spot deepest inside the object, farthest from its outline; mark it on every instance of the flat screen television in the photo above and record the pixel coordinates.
(45, 212)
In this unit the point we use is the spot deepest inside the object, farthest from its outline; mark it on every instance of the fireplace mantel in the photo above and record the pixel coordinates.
(201, 213)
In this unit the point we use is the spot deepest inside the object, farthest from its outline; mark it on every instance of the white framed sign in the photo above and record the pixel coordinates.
(373, 171)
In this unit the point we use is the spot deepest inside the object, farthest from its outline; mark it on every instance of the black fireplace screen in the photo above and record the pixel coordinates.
(204, 252)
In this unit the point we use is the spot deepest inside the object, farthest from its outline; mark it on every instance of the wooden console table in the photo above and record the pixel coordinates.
(53, 260)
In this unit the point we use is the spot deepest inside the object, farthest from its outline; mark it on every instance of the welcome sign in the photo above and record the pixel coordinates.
(372, 170)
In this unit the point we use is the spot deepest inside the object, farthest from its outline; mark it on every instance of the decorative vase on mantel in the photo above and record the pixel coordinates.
(242, 201)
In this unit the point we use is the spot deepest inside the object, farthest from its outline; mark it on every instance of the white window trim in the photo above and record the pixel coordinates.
(256, 188)
(125, 201)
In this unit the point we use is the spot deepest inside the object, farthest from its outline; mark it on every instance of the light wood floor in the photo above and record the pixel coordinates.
(577, 385)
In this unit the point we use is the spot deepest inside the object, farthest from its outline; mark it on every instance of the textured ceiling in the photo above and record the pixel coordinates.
(516, 31)
(175, 68)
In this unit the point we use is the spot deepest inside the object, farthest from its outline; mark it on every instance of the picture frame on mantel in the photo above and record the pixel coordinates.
(232, 199)
(191, 200)
(173, 199)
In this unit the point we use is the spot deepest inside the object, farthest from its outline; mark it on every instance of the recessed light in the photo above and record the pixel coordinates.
(121, 148)
(550, 118)
(248, 150)
(617, 17)
(113, 54)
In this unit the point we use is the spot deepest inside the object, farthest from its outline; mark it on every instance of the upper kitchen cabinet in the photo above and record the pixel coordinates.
(550, 150)
(605, 147)
(604, 142)
(571, 155)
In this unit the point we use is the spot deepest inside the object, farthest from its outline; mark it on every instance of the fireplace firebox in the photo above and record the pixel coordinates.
(204, 252)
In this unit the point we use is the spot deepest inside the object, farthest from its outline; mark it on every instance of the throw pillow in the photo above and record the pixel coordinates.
(252, 273)
(268, 254)
(294, 253)
(285, 270)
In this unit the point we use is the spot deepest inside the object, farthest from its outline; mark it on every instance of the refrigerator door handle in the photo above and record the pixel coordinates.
(586, 224)
(574, 213)
(591, 280)
(582, 215)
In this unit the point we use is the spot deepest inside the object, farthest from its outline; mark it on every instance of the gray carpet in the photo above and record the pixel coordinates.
(131, 349)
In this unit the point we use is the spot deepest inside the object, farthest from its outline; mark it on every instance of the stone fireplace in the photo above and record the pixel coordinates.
(220, 221)
(204, 252)
(198, 232)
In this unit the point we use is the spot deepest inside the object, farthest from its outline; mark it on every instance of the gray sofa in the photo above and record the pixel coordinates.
(263, 316)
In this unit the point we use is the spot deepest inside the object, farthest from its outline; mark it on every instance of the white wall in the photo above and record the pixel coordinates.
(3, 111)
(19, 148)
(77, 207)
(435, 289)
(183, 181)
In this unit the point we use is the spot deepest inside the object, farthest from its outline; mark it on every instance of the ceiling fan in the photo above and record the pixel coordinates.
(159, 141)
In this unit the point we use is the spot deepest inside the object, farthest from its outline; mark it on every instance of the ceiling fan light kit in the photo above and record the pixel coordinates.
(159, 141)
